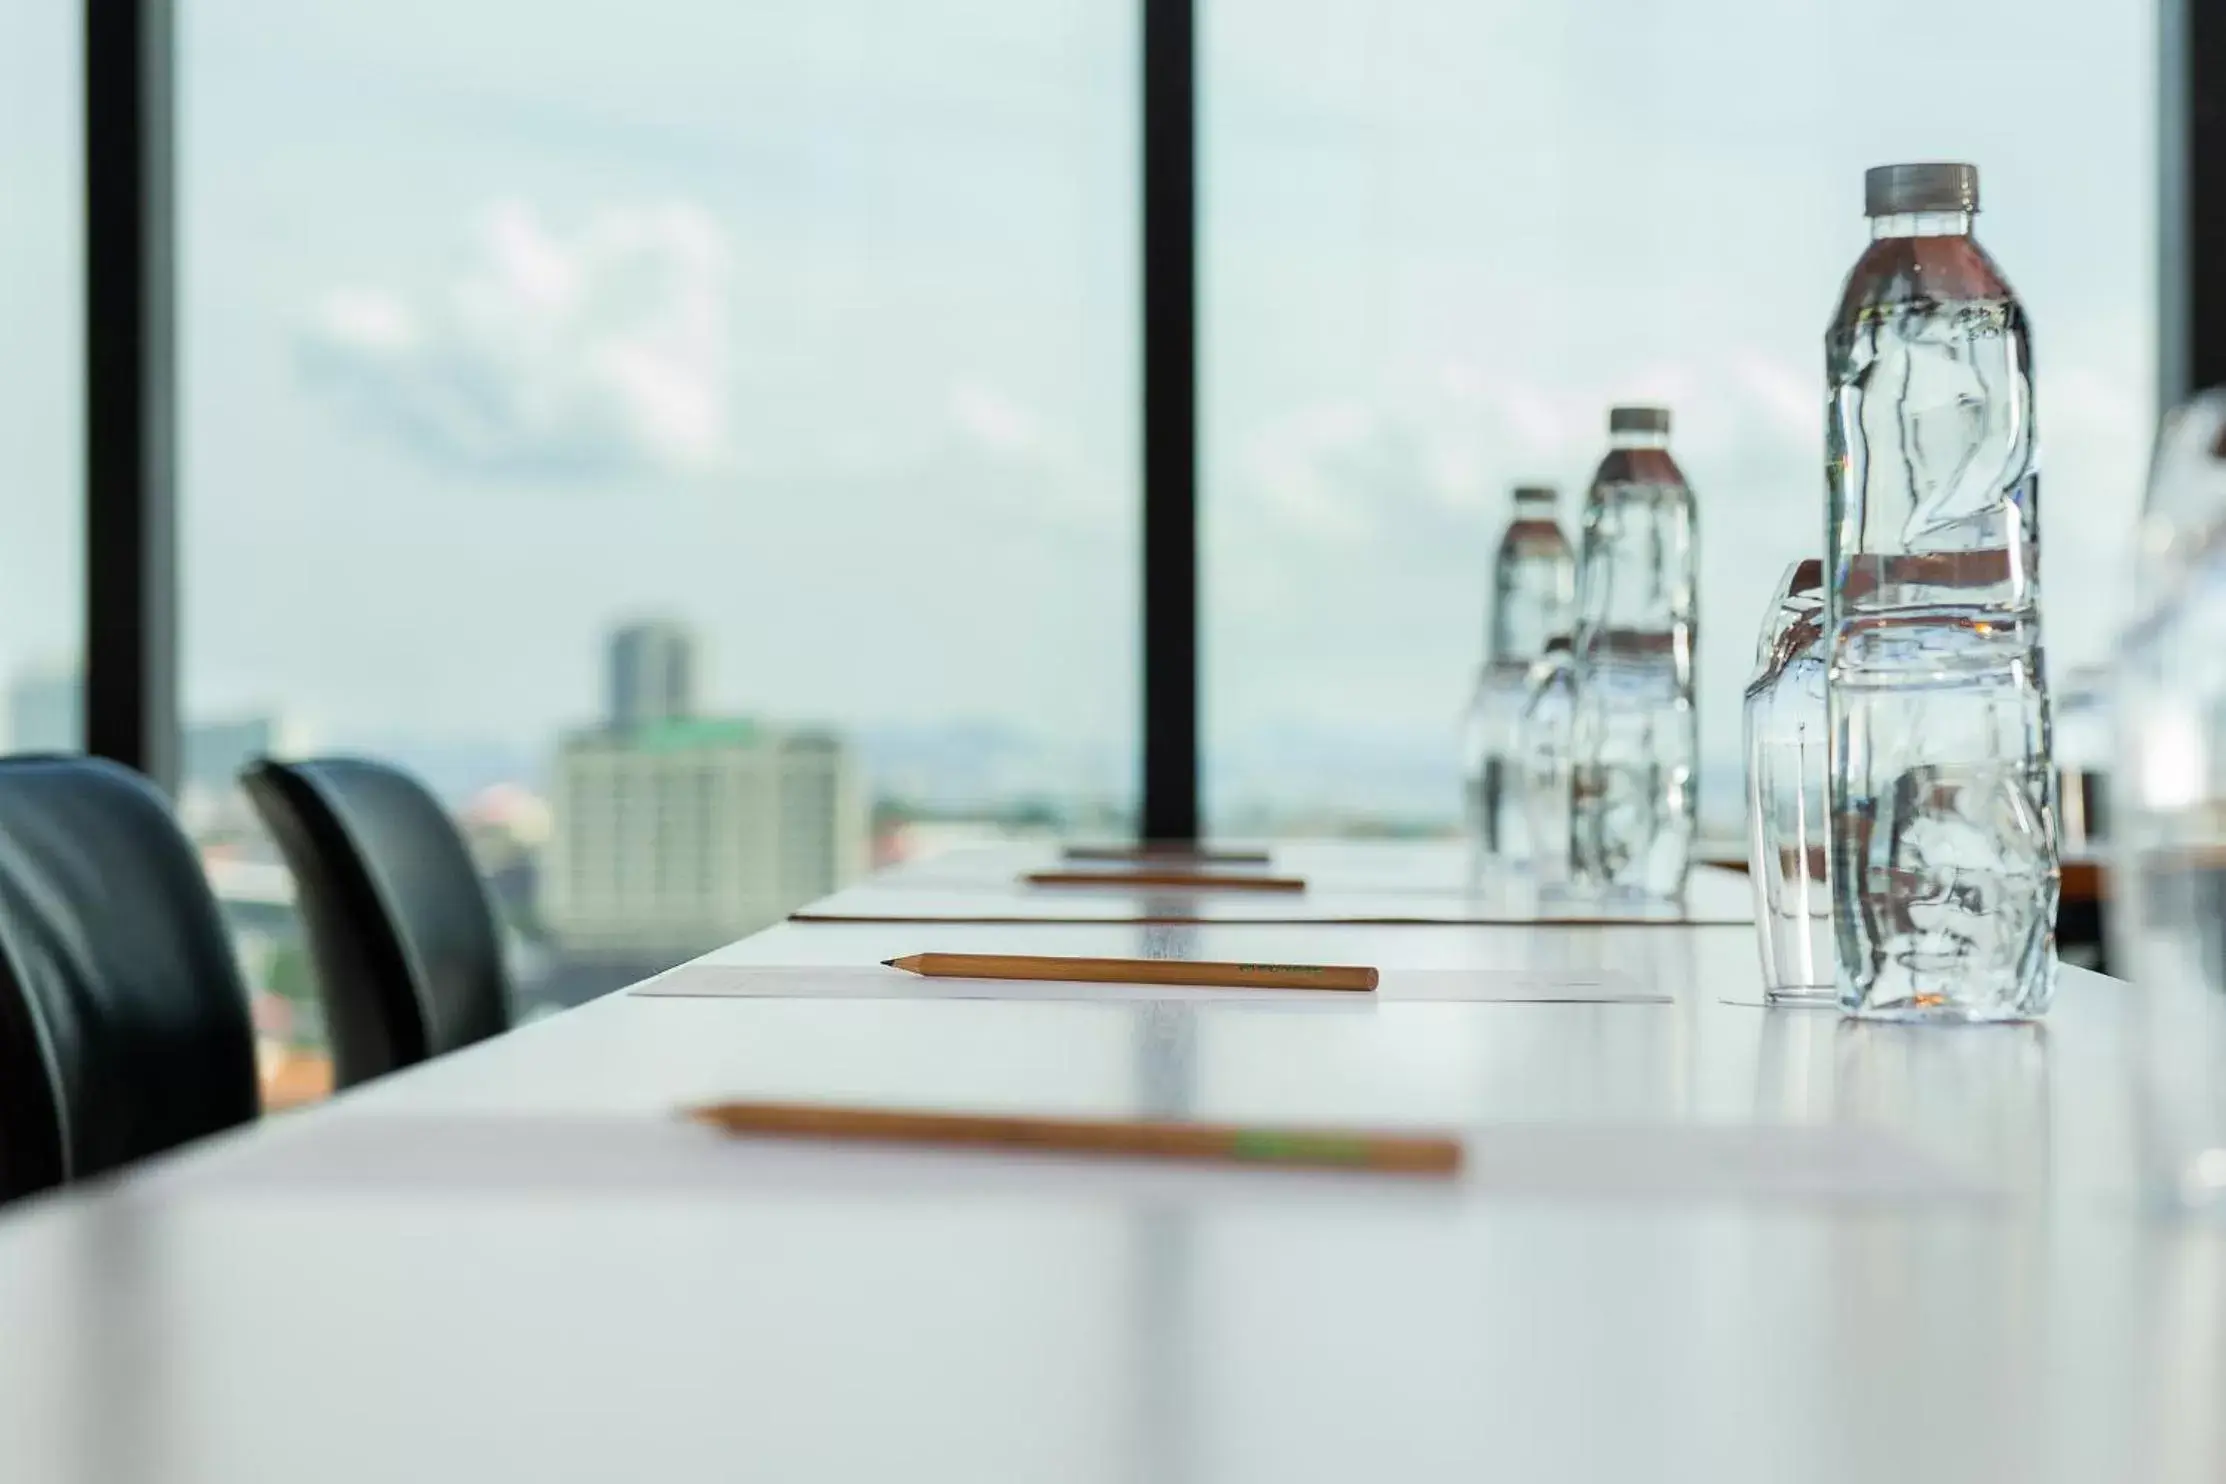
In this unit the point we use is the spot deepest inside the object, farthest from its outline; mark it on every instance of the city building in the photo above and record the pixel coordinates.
(678, 836)
(213, 752)
(507, 827)
(652, 674)
(46, 713)
(46, 710)
(505, 823)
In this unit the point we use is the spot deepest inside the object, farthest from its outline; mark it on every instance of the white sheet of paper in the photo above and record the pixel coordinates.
(1521, 986)
(1797, 1163)
(1758, 1003)
(1710, 901)
(497, 1157)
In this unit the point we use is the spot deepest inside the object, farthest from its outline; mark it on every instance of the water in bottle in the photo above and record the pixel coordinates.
(1944, 871)
(1534, 580)
(1636, 738)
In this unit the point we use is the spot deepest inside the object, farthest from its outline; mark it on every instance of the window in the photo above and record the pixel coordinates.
(1440, 238)
(577, 402)
(42, 572)
(588, 406)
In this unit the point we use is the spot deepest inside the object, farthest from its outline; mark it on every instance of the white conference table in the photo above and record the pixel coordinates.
(1675, 1256)
(1366, 883)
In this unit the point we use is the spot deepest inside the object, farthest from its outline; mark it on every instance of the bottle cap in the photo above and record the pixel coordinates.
(1890, 190)
(1536, 494)
(1638, 420)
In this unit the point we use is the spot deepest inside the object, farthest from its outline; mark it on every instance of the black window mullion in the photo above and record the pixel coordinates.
(2191, 215)
(1169, 806)
(131, 574)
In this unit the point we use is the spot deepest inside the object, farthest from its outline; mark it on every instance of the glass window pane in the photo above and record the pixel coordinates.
(696, 437)
(42, 572)
(1442, 237)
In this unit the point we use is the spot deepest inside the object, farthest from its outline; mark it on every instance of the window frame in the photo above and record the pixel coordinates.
(131, 496)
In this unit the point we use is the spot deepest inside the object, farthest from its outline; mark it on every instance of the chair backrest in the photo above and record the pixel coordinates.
(124, 1027)
(407, 951)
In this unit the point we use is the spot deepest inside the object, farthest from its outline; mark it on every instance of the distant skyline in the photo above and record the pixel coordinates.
(815, 326)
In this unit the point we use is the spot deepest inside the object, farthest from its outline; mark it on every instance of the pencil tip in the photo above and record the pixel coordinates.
(888, 963)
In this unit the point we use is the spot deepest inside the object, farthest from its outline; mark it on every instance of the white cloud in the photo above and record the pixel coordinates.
(994, 421)
(1309, 470)
(1788, 400)
(1407, 467)
(1001, 463)
(599, 351)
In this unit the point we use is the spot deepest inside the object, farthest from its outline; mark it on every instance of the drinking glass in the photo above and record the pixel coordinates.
(2167, 843)
(1788, 846)
(1543, 750)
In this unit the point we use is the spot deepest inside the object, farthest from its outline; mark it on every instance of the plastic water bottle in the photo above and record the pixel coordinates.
(1549, 717)
(1534, 583)
(1636, 737)
(1944, 870)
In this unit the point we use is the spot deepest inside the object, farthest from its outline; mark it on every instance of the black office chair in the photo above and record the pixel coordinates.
(408, 956)
(124, 1025)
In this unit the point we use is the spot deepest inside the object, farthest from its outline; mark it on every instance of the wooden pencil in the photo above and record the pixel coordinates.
(1165, 880)
(1413, 1154)
(1167, 853)
(1135, 971)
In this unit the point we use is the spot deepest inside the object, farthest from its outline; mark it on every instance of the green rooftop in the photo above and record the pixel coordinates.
(695, 734)
(690, 734)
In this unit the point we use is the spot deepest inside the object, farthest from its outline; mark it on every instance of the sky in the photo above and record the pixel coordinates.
(814, 326)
